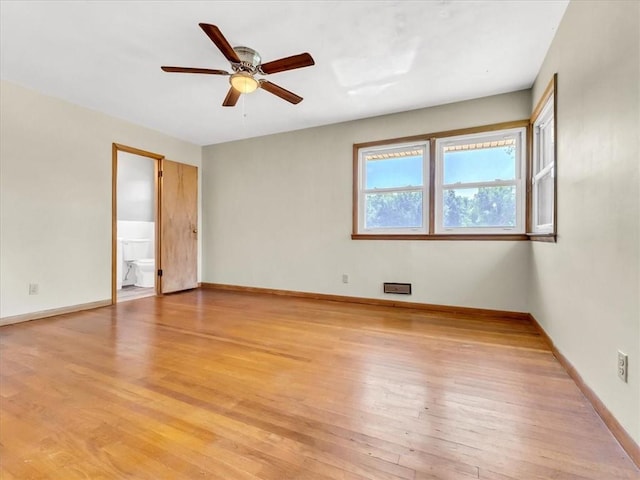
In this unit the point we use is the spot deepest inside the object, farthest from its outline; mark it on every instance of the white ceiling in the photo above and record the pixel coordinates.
(372, 57)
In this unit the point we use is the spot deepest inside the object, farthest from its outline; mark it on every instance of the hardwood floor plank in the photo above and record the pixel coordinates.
(225, 385)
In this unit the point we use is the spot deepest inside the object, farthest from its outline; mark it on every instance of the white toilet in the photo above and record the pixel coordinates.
(136, 251)
(145, 272)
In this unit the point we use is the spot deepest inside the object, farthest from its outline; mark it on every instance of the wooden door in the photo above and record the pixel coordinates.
(178, 227)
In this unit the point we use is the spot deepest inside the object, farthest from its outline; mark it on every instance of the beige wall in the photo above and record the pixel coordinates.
(277, 214)
(585, 289)
(55, 198)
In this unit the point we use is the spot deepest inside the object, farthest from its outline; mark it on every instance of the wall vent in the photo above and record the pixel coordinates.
(402, 288)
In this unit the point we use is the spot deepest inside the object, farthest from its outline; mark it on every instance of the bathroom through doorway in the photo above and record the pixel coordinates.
(154, 244)
(136, 223)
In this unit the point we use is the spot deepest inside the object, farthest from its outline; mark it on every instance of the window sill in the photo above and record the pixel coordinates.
(494, 237)
(542, 237)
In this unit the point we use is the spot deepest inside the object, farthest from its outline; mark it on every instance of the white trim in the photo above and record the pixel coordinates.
(424, 188)
(545, 119)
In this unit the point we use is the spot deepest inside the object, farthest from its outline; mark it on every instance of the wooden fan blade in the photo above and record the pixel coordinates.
(194, 70)
(232, 98)
(280, 92)
(216, 37)
(288, 63)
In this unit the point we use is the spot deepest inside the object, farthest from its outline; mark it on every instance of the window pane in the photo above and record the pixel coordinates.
(547, 151)
(545, 200)
(402, 171)
(393, 210)
(463, 164)
(480, 207)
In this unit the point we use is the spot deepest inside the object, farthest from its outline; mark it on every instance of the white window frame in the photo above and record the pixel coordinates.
(519, 182)
(544, 120)
(362, 191)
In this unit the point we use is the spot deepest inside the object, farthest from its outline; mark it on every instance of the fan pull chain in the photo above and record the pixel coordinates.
(244, 115)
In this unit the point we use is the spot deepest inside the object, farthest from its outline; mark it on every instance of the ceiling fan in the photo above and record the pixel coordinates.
(246, 64)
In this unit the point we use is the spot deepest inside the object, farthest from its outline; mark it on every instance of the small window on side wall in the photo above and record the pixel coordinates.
(543, 165)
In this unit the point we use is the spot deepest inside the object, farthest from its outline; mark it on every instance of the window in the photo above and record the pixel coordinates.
(462, 184)
(543, 165)
(393, 189)
(479, 183)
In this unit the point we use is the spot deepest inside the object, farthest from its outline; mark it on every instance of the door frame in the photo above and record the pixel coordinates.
(157, 158)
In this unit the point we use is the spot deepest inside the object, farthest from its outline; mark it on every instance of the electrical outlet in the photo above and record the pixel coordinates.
(33, 289)
(623, 366)
(345, 278)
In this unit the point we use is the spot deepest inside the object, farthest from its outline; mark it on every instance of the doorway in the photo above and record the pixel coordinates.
(154, 248)
(135, 226)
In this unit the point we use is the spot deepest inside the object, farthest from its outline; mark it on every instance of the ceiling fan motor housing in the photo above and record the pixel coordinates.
(249, 60)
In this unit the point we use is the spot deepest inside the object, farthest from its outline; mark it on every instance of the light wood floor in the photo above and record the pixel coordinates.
(230, 386)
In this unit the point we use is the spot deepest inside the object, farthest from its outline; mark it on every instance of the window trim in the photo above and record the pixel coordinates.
(430, 139)
(518, 182)
(548, 100)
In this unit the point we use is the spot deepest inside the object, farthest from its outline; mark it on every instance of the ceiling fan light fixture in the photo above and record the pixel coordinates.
(243, 82)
